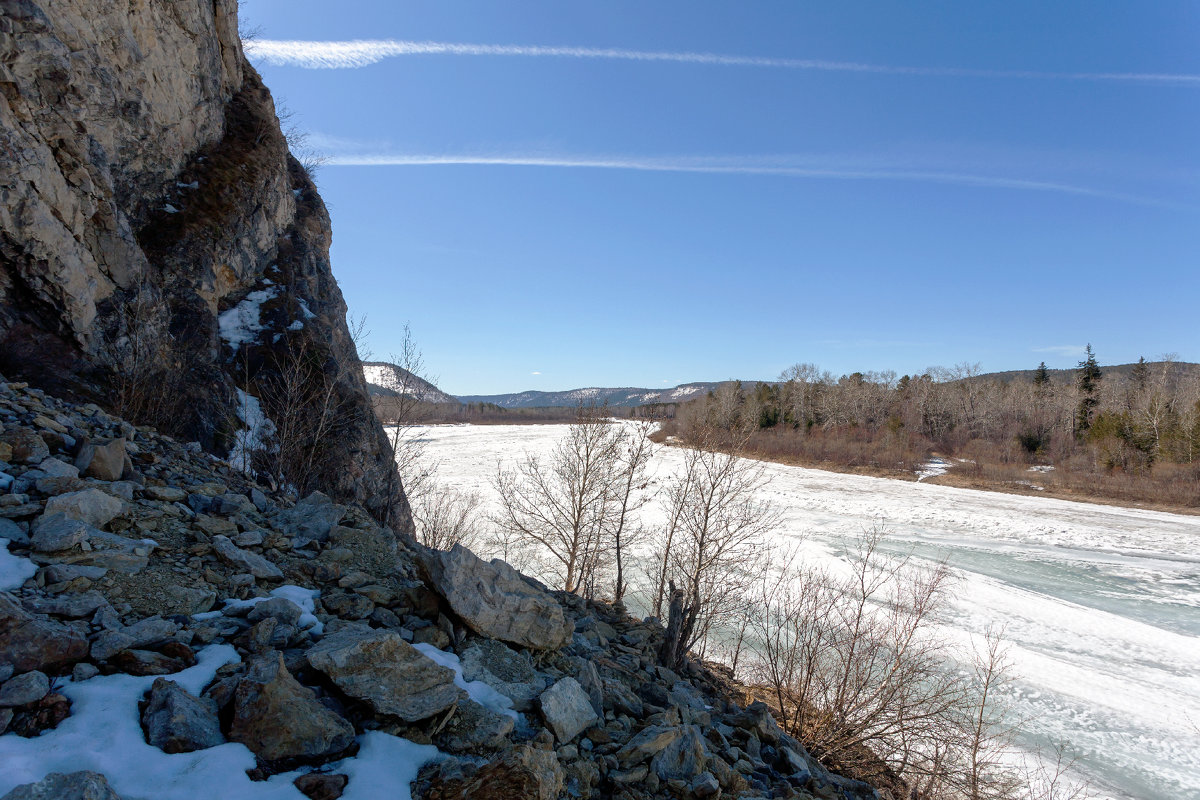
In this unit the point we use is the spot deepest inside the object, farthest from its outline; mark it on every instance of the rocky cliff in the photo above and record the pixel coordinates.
(162, 253)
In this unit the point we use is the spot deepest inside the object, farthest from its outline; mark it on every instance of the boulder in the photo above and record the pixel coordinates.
(279, 608)
(567, 709)
(311, 519)
(88, 505)
(281, 720)
(507, 672)
(53, 468)
(24, 689)
(151, 630)
(384, 670)
(494, 600)
(253, 563)
(59, 786)
(649, 742)
(56, 532)
(177, 721)
(683, 759)
(25, 446)
(72, 606)
(105, 462)
(29, 642)
(474, 728)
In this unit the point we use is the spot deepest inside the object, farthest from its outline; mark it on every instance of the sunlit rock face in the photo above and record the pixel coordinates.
(159, 246)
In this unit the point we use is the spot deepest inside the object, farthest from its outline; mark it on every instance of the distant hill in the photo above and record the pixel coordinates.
(1179, 369)
(623, 397)
(384, 379)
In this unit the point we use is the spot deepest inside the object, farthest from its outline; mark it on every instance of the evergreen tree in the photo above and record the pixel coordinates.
(1041, 376)
(1088, 380)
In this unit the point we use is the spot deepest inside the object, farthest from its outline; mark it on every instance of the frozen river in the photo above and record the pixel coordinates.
(1101, 604)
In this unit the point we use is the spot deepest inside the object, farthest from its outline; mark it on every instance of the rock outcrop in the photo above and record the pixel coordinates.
(162, 253)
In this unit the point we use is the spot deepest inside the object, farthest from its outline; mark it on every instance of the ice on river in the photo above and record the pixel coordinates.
(1101, 604)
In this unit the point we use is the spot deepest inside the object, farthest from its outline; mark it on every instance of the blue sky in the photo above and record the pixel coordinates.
(562, 194)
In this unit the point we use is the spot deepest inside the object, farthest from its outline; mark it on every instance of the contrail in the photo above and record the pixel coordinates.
(732, 167)
(362, 53)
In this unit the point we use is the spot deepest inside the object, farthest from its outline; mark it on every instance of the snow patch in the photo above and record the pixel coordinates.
(932, 468)
(104, 734)
(255, 437)
(241, 324)
(297, 594)
(478, 691)
(14, 570)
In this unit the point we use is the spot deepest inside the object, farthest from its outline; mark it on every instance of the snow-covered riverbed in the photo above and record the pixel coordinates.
(1101, 604)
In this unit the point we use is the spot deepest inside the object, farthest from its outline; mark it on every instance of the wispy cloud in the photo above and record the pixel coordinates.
(535, 372)
(1062, 349)
(792, 168)
(361, 53)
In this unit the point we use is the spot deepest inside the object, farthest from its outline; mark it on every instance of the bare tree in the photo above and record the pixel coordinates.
(719, 527)
(634, 452)
(564, 504)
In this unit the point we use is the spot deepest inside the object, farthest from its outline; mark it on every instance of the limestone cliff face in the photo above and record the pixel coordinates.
(148, 204)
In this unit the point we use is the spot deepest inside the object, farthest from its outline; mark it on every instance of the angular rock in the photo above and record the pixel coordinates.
(279, 608)
(386, 671)
(92, 506)
(165, 494)
(188, 599)
(72, 606)
(705, 786)
(24, 689)
(146, 662)
(494, 600)
(149, 631)
(177, 721)
(567, 709)
(253, 563)
(105, 462)
(507, 672)
(683, 759)
(312, 518)
(12, 531)
(53, 468)
(55, 532)
(474, 728)
(281, 720)
(27, 447)
(649, 742)
(60, 786)
(29, 642)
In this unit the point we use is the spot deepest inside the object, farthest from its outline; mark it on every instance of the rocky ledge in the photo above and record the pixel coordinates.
(171, 629)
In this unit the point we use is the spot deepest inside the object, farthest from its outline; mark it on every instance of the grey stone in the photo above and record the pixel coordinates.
(13, 531)
(27, 446)
(165, 494)
(649, 742)
(705, 786)
(188, 599)
(28, 687)
(507, 672)
(232, 503)
(151, 630)
(312, 518)
(494, 600)
(474, 728)
(84, 671)
(683, 759)
(60, 786)
(258, 566)
(279, 608)
(55, 532)
(386, 671)
(61, 573)
(92, 506)
(177, 721)
(567, 709)
(53, 468)
(72, 606)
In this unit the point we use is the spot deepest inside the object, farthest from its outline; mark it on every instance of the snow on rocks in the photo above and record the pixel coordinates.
(241, 324)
